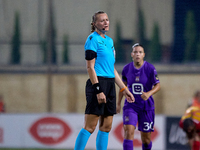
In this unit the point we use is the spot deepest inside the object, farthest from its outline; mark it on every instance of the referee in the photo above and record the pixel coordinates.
(100, 87)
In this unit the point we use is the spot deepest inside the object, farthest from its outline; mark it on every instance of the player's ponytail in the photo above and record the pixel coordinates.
(92, 27)
(94, 18)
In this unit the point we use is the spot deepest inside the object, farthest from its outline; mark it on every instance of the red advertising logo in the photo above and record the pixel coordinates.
(119, 133)
(50, 130)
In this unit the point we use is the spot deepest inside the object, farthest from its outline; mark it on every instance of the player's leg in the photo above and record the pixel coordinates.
(146, 125)
(146, 140)
(128, 137)
(91, 119)
(107, 112)
(89, 127)
(130, 118)
(105, 125)
(190, 142)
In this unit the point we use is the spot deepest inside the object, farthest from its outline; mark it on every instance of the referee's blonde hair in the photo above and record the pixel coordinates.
(94, 18)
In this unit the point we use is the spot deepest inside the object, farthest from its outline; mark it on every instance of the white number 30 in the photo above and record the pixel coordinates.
(148, 126)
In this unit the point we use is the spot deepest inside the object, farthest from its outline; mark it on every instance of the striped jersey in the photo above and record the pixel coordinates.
(192, 112)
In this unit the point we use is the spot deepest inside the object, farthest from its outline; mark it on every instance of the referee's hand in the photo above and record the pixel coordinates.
(129, 96)
(101, 98)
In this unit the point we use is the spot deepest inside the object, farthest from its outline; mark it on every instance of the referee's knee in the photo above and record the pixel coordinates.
(90, 129)
(105, 128)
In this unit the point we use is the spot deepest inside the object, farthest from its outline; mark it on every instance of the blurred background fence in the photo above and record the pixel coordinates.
(43, 40)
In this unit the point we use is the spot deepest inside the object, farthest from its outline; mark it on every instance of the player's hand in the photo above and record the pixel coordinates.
(145, 96)
(101, 98)
(129, 96)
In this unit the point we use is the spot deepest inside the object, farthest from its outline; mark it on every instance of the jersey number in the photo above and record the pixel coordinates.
(148, 126)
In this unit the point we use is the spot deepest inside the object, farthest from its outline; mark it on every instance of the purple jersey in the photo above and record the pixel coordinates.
(138, 81)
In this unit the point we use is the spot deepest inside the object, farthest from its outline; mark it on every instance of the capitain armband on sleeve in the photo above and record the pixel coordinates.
(90, 54)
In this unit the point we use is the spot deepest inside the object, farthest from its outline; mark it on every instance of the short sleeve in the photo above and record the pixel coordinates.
(155, 78)
(124, 76)
(91, 44)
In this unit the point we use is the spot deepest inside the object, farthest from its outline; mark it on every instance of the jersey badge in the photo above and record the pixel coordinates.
(137, 79)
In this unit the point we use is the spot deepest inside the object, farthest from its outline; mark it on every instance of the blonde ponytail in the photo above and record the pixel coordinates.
(94, 18)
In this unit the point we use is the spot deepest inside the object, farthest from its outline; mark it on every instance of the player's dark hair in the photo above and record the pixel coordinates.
(136, 45)
(187, 123)
(94, 18)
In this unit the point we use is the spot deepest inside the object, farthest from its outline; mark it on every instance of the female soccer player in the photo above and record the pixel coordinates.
(142, 80)
(190, 123)
(100, 87)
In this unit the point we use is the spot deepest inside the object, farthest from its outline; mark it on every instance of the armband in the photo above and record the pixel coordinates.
(123, 89)
(90, 54)
(97, 88)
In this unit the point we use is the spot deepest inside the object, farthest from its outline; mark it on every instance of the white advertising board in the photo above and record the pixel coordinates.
(61, 130)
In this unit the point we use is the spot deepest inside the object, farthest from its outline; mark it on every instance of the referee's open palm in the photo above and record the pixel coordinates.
(101, 98)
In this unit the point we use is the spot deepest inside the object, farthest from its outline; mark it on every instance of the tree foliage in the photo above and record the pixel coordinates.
(141, 28)
(118, 44)
(190, 36)
(16, 41)
(43, 45)
(65, 49)
(155, 51)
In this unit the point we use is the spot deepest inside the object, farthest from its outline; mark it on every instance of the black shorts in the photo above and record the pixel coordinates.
(108, 88)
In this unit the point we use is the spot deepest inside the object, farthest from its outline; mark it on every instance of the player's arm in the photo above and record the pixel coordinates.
(123, 88)
(155, 89)
(193, 137)
(120, 96)
(93, 78)
(91, 71)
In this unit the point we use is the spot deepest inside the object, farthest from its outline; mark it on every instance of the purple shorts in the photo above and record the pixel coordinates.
(144, 118)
